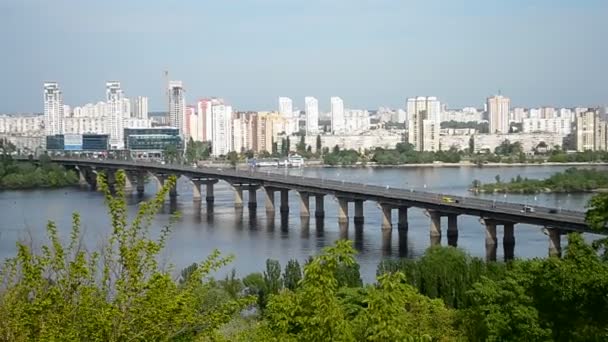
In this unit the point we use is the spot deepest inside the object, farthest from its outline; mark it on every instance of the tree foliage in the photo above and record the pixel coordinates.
(117, 293)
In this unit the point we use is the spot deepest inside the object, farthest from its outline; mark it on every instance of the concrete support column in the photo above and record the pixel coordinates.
(141, 182)
(435, 225)
(508, 241)
(209, 194)
(253, 201)
(128, 184)
(196, 190)
(238, 197)
(269, 192)
(342, 209)
(491, 240)
(359, 218)
(173, 191)
(304, 204)
(320, 206)
(402, 223)
(555, 242)
(284, 201)
(387, 220)
(452, 230)
(82, 178)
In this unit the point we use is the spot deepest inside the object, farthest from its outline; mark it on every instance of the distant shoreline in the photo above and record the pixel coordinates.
(458, 165)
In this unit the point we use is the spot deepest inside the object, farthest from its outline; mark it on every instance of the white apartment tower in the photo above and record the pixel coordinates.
(140, 108)
(285, 107)
(337, 115)
(498, 114)
(311, 106)
(424, 114)
(53, 109)
(221, 135)
(115, 106)
(177, 106)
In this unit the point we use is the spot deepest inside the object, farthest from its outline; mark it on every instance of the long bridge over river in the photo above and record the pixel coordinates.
(491, 213)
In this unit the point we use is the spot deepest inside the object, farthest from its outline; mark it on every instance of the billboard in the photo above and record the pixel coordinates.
(72, 142)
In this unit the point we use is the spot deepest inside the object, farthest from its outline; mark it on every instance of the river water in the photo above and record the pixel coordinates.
(254, 238)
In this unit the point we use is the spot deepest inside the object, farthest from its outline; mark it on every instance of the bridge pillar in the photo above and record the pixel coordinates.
(319, 206)
(342, 209)
(508, 240)
(140, 184)
(359, 218)
(253, 200)
(555, 242)
(402, 223)
(284, 201)
(387, 220)
(196, 190)
(173, 191)
(452, 229)
(82, 177)
(238, 197)
(490, 240)
(128, 189)
(435, 227)
(269, 192)
(304, 204)
(209, 195)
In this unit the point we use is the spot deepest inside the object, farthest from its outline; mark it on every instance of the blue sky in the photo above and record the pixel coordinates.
(370, 52)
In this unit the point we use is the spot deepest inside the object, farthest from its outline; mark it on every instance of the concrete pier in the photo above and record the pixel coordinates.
(555, 242)
(508, 241)
(238, 197)
(319, 206)
(491, 240)
(402, 223)
(196, 190)
(387, 220)
(141, 183)
(359, 218)
(435, 225)
(452, 230)
(269, 199)
(284, 202)
(252, 200)
(304, 204)
(342, 210)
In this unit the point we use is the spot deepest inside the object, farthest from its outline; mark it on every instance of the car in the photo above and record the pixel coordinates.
(552, 211)
(447, 199)
(527, 209)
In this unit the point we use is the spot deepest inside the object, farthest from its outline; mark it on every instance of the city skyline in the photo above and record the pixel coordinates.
(365, 52)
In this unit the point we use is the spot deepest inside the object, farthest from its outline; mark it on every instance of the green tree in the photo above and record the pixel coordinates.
(272, 276)
(233, 158)
(171, 154)
(116, 293)
(292, 275)
(319, 144)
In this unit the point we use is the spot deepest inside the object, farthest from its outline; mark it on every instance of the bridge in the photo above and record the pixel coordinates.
(491, 213)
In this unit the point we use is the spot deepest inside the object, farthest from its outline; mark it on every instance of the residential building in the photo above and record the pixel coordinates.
(498, 113)
(424, 115)
(337, 116)
(561, 126)
(356, 121)
(311, 106)
(590, 132)
(53, 109)
(115, 112)
(177, 106)
(285, 106)
(221, 129)
(140, 107)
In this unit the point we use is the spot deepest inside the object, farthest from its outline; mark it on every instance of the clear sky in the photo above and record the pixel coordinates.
(370, 52)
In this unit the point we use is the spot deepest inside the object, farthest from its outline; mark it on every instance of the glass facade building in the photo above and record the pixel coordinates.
(151, 139)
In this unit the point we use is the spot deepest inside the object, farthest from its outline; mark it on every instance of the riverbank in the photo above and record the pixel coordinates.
(569, 181)
(26, 176)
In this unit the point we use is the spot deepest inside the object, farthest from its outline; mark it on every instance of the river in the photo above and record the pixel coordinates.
(253, 238)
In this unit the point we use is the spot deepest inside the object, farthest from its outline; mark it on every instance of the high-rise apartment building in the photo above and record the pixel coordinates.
(115, 107)
(221, 129)
(285, 106)
(140, 108)
(177, 106)
(311, 106)
(590, 132)
(190, 124)
(498, 113)
(424, 115)
(53, 109)
(337, 116)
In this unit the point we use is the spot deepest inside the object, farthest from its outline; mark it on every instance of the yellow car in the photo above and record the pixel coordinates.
(448, 200)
